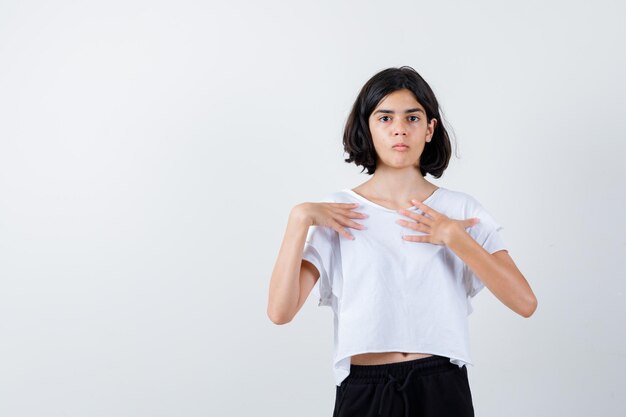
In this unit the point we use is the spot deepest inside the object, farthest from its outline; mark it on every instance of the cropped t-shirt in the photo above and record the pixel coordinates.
(388, 294)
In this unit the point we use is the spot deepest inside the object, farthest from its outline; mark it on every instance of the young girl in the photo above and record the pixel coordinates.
(400, 282)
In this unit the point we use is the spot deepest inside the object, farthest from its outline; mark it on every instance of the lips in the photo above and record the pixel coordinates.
(400, 145)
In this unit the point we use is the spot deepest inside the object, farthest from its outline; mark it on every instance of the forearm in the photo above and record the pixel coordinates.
(502, 278)
(284, 290)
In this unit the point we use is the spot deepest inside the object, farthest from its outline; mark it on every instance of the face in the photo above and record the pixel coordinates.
(400, 119)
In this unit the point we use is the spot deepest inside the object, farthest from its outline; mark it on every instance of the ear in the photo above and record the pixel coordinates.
(431, 129)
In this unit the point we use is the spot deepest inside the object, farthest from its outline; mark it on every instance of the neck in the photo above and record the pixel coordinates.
(394, 185)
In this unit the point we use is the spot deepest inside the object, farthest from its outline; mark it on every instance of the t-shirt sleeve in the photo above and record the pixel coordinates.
(320, 249)
(487, 234)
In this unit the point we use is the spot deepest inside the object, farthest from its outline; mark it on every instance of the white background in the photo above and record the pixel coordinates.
(150, 153)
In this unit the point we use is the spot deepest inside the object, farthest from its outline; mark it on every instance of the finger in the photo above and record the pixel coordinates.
(413, 225)
(426, 209)
(471, 222)
(344, 216)
(407, 213)
(416, 216)
(342, 231)
(413, 238)
(423, 219)
(353, 214)
(344, 205)
(345, 221)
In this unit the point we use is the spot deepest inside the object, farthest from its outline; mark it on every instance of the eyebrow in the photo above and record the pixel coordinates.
(393, 112)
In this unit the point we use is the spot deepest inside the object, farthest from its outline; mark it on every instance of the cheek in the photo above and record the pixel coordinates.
(374, 129)
(377, 135)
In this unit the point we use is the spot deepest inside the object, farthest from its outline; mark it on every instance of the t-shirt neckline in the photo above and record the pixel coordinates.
(360, 197)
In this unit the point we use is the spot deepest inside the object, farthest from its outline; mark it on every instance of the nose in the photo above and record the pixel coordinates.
(399, 128)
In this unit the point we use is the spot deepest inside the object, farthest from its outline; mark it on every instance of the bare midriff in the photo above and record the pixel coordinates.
(380, 358)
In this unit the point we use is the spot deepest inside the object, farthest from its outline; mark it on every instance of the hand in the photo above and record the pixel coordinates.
(439, 227)
(334, 215)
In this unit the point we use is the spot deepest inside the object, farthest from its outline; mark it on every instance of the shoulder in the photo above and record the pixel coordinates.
(472, 207)
(466, 205)
(462, 200)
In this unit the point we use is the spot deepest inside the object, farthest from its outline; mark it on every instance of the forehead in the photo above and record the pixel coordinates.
(399, 100)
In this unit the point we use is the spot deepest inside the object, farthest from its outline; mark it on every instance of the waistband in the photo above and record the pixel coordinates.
(397, 376)
(380, 373)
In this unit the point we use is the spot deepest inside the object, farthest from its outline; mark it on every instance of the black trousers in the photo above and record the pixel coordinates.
(424, 387)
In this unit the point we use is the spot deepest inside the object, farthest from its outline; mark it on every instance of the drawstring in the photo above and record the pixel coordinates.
(401, 388)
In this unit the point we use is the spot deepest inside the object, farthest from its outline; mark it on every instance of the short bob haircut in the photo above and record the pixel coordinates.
(357, 138)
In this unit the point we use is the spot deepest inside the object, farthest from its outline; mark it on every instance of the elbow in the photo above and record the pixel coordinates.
(279, 321)
(529, 308)
(278, 318)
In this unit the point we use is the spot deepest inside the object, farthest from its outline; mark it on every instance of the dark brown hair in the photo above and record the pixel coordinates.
(357, 138)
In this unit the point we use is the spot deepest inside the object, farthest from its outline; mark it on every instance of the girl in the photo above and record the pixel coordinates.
(400, 282)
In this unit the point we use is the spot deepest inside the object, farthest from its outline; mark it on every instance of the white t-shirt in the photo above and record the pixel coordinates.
(390, 294)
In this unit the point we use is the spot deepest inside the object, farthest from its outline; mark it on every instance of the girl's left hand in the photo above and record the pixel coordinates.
(438, 226)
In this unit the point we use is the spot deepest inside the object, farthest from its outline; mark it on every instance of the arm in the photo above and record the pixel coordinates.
(285, 285)
(497, 271)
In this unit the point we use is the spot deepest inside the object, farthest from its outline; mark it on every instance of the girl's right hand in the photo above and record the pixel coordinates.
(334, 215)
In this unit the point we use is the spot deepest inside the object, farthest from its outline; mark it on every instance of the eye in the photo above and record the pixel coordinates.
(384, 117)
(414, 118)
